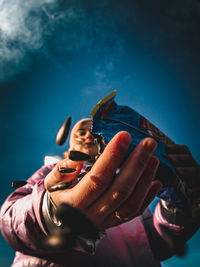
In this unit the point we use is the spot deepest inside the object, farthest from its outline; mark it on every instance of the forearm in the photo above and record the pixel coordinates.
(180, 233)
(180, 225)
(59, 229)
(21, 223)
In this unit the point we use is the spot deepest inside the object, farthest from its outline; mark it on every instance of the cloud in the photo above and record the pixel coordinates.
(100, 29)
(22, 30)
(53, 27)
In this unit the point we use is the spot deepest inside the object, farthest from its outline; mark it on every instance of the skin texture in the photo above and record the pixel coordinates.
(101, 192)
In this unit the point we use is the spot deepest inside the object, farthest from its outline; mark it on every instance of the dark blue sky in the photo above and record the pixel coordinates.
(59, 58)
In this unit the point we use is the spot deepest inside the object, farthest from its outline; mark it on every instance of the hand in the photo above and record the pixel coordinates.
(102, 192)
(186, 167)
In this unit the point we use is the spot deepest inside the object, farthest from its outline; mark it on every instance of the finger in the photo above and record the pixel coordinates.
(194, 192)
(186, 172)
(177, 149)
(114, 221)
(143, 192)
(99, 178)
(181, 160)
(189, 175)
(133, 204)
(125, 182)
(57, 175)
(153, 191)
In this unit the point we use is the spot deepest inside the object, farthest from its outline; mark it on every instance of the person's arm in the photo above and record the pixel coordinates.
(106, 198)
(102, 192)
(21, 223)
(178, 226)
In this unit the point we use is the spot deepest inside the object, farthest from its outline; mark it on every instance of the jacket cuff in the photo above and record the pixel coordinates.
(174, 215)
(159, 219)
(51, 223)
(48, 212)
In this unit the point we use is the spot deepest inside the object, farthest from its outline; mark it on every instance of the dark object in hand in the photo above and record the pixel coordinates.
(60, 186)
(66, 170)
(78, 156)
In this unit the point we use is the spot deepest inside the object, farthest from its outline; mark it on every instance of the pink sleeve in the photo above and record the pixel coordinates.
(159, 220)
(20, 219)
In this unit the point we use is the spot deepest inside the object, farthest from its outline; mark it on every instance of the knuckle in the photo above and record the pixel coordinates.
(98, 183)
(141, 162)
(120, 195)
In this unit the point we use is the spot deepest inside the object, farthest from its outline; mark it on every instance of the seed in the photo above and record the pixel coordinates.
(17, 184)
(60, 186)
(78, 156)
(66, 170)
(82, 174)
(63, 132)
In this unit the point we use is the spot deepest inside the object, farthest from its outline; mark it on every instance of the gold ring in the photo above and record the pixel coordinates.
(119, 217)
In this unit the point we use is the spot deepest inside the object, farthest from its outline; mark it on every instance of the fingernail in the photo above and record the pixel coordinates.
(150, 144)
(78, 156)
(66, 170)
(17, 184)
(125, 139)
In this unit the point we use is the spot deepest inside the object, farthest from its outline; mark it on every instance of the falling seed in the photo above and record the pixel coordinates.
(63, 132)
(17, 184)
(66, 170)
(60, 186)
(78, 156)
(82, 174)
(88, 168)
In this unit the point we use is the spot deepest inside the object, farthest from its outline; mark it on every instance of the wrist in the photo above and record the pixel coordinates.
(52, 223)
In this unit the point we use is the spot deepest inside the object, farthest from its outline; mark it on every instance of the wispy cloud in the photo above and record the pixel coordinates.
(26, 27)
(67, 26)
(21, 31)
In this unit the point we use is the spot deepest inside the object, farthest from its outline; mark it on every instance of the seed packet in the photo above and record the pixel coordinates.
(109, 118)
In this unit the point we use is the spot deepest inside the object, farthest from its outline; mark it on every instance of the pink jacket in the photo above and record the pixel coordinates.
(22, 227)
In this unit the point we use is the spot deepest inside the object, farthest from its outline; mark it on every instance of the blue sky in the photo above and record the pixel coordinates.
(59, 58)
